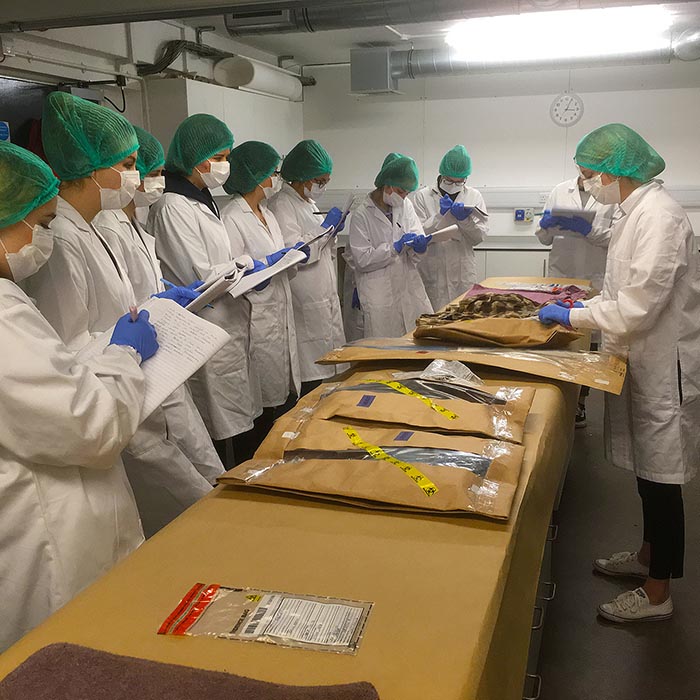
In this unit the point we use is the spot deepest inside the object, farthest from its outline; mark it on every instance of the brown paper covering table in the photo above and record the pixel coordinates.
(453, 596)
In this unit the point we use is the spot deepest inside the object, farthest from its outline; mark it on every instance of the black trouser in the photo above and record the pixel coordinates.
(664, 527)
(245, 444)
(586, 390)
(240, 448)
(308, 387)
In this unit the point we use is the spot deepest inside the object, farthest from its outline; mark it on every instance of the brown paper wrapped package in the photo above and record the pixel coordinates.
(504, 422)
(598, 370)
(500, 332)
(376, 483)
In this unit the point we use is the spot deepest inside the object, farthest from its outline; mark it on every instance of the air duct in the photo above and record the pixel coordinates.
(251, 19)
(240, 72)
(378, 70)
(248, 20)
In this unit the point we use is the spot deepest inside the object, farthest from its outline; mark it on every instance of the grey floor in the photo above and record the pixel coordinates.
(582, 656)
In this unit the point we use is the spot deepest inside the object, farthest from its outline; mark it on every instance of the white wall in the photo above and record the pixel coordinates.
(512, 141)
(248, 115)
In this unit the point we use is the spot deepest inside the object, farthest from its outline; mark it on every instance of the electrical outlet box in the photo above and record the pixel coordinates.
(519, 215)
(529, 215)
(543, 197)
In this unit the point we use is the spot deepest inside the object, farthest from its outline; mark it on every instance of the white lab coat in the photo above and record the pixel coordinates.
(68, 513)
(190, 241)
(574, 255)
(390, 287)
(649, 312)
(274, 355)
(136, 252)
(448, 268)
(317, 315)
(82, 290)
(353, 321)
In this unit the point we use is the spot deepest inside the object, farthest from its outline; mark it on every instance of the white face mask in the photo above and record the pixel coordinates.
(394, 199)
(315, 190)
(119, 198)
(605, 194)
(451, 187)
(217, 175)
(272, 189)
(32, 257)
(153, 188)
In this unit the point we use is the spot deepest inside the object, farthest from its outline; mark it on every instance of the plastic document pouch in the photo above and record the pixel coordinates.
(272, 617)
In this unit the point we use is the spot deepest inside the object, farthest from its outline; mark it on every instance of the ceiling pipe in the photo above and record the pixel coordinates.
(249, 19)
(421, 63)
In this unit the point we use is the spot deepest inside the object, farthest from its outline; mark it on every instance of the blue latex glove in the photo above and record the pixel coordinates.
(547, 220)
(577, 305)
(355, 299)
(404, 240)
(420, 243)
(553, 313)
(575, 223)
(258, 265)
(445, 204)
(275, 257)
(460, 212)
(139, 334)
(304, 249)
(340, 226)
(333, 218)
(182, 295)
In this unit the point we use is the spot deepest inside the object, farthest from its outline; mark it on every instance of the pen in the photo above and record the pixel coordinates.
(134, 312)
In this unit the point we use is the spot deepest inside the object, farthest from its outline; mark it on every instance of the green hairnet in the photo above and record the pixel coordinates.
(80, 137)
(390, 157)
(251, 163)
(400, 171)
(150, 156)
(456, 163)
(307, 160)
(618, 150)
(26, 183)
(197, 138)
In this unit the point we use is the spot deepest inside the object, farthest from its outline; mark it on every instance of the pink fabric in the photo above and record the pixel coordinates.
(570, 292)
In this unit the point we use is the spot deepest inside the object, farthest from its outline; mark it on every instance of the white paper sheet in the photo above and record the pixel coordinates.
(245, 284)
(185, 342)
(587, 214)
(446, 234)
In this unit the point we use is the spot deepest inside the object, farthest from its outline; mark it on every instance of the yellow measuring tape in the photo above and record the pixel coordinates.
(412, 472)
(397, 386)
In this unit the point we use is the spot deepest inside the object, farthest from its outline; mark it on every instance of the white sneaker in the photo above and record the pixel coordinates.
(634, 606)
(622, 564)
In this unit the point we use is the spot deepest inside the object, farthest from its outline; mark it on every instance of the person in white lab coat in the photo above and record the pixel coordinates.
(386, 240)
(135, 250)
(649, 313)
(306, 171)
(83, 289)
(68, 513)
(191, 241)
(253, 230)
(448, 268)
(579, 248)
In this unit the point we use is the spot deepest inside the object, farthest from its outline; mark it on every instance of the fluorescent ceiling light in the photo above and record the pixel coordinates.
(568, 34)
